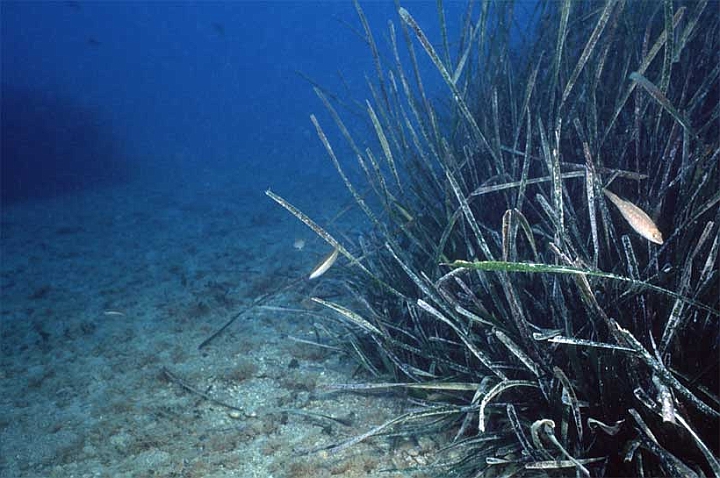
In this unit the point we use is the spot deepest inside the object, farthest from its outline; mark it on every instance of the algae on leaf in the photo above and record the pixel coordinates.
(571, 345)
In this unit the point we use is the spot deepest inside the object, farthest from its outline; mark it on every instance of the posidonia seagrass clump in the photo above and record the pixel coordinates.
(530, 324)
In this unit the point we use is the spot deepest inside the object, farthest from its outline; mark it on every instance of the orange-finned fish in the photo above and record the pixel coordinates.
(637, 218)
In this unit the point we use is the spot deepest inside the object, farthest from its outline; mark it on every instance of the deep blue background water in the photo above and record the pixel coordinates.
(102, 92)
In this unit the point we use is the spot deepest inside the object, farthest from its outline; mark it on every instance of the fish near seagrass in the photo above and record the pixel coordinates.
(326, 264)
(637, 218)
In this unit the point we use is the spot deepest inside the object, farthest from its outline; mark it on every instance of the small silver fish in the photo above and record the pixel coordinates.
(299, 243)
(637, 218)
(326, 264)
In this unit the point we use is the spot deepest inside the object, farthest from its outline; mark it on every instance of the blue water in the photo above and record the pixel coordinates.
(138, 139)
(106, 91)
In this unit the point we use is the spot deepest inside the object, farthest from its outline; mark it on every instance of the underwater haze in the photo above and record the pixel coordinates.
(138, 139)
(101, 93)
(314, 239)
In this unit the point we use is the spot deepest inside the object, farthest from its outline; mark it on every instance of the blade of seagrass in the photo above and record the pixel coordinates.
(529, 267)
(586, 343)
(517, 351)
(443, 30)
(558, 58)
(360, 201)
(658, 96)
(430, 50)
(590, 176)
(328, 238)
(375, 53)
(466, 340)
(553, 164)
(659, 43)
(465, 207)
(497, 390)
(662, 371)
(438, 411)
(575, 408)
(588, 50)
(384, 144)
(350, 315)
(514, 184)
(548, 426)
(669, 46)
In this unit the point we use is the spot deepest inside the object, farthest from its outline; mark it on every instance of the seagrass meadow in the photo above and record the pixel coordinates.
(498, 291)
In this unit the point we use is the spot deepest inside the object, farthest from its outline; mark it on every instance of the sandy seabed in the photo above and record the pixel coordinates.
(106, 295)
